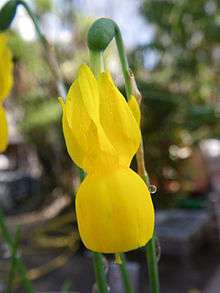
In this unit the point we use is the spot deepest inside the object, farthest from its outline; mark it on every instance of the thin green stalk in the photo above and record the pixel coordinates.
(150, 247)
(19, 264)
(125, 275)
(13, 261)
(34, 19)
(96, 62)
(123, 60)
(152, 265)
(50, 57)
(98, 264)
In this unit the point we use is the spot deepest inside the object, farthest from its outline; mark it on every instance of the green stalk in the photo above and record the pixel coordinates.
(96, 62)
(125, 276)
(98, 264)
(34, 19)
(123, 60)
(50, 57)
(152, 265)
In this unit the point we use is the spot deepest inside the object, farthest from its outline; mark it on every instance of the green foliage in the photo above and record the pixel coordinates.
(187, 41)
(182, 89)
(16, 259)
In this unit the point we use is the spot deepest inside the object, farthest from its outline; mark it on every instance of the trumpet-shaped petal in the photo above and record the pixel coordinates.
(3, 130)
(114, 211)
(113, 205)
(6, 67)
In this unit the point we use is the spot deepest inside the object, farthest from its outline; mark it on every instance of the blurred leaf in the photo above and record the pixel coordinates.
(66, 287)
(7, 14)
(200, 115)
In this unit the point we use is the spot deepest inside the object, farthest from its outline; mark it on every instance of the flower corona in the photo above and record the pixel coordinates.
(113, 205)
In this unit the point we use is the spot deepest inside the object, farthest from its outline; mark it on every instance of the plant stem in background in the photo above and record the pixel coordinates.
(151, 245)
(98, 264)
(152, 265)
(19, 264)
(123, 60)
(50, 56)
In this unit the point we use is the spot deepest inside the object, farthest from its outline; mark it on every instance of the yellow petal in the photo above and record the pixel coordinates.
(117, 120)
(82, 119)
(114, 212)
(135, 109)
(74, 150)
(89, 92)
(6, 68)
(3, 130)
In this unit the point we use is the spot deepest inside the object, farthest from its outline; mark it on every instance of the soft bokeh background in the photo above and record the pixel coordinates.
(174, 51)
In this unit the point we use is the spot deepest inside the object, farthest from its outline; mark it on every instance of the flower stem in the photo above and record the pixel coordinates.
(96, 62)
(125, 275)
(50, 56)
(152, 265)
(123, 60)
(99, 272)
(34, 19)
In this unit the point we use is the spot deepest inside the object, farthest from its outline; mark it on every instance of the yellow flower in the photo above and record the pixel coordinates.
(6, 81)
(113, 205)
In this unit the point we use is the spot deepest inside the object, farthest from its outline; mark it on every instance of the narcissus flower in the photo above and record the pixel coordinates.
(113, 205)
(6, 81)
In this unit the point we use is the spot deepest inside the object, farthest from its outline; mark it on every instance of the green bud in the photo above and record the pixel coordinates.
(7, 14)
(100, 34)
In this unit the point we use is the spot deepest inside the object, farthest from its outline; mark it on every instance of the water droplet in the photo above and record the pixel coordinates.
(152, 189)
